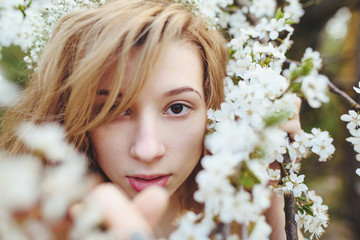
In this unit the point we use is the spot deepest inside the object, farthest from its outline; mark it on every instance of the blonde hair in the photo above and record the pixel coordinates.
(85, 47)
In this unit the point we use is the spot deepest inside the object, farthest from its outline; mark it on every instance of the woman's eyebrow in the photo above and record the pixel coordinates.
(177, 91)
(106, 93)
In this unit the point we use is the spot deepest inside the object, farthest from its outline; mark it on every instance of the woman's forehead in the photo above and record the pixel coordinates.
(175, 56)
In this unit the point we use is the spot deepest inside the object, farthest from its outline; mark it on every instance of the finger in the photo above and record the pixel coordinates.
(293, 126)
(122, 216)
(77, 208)
(152, 203)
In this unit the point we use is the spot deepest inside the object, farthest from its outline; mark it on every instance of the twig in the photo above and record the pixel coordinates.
(289, 209)
(353, 104)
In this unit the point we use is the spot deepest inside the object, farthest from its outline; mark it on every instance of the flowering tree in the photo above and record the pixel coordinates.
(244, 136)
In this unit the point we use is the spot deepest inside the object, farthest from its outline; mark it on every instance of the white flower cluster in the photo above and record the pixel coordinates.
(353, 125)
(318, 142)
(40, 187)
(15, 18)
(312, 213)
(9, 92)
(208, 10)
(314, 85)
(244, 133)
(34, 29)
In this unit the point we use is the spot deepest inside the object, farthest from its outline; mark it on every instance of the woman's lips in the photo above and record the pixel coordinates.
(139, 183)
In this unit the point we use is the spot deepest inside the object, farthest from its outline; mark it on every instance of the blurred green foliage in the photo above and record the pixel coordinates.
(13, 66)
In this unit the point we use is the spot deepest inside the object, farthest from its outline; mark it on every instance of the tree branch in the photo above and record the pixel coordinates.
(353, 104)
(289, 209)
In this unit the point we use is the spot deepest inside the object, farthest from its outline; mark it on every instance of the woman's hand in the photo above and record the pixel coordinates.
(275, 214)
(130, 219)
(293, 126)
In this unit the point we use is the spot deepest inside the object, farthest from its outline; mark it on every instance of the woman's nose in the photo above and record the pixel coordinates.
(148, 145)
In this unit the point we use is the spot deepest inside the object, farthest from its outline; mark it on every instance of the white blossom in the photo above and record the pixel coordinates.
(212, 190)
(237, 22)
(42, 21)
(301, 219)
(274, 27)
(59, 192)
(353, 120)
(48, 139)
(302, 144)
(19, 181)
(293, 10)
(275, 143)
(357, 89)
(228, 138)
(314, 56)
(296, 184)
(189, 228)
(9, 229)
(322, 144)
(316, 222)
(261, 231)
(263, 8)
(274, 174)
(222, 164)
(211, 7)
(9, 92)
(266, 83)
(355, 141)
(315, 88)
(237, 208)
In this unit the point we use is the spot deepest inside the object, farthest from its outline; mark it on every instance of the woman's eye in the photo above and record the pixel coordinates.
(124, 113)
(116, 104)
(177, 109)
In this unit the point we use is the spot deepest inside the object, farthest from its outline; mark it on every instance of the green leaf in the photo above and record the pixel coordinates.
(245, 178)
(309, 204)
(300, 209)
(301, 199)
(290, 22)
(258, 153)
(252, 56)
(308, 210)
(295, 87)
(236, 79)
(231, 52)
(276, 118)
(279, 14)
(303, 70)
(22, 9)
(306, 67)
(266, 61)
(232, 8)
(248, 179)
(294, 74)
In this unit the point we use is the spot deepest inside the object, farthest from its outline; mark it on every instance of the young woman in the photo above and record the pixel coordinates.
(131, 82)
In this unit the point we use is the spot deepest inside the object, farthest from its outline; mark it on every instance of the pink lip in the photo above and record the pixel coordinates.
(140, 182)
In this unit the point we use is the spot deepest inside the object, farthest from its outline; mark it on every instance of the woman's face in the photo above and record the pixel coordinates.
(159, 139)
